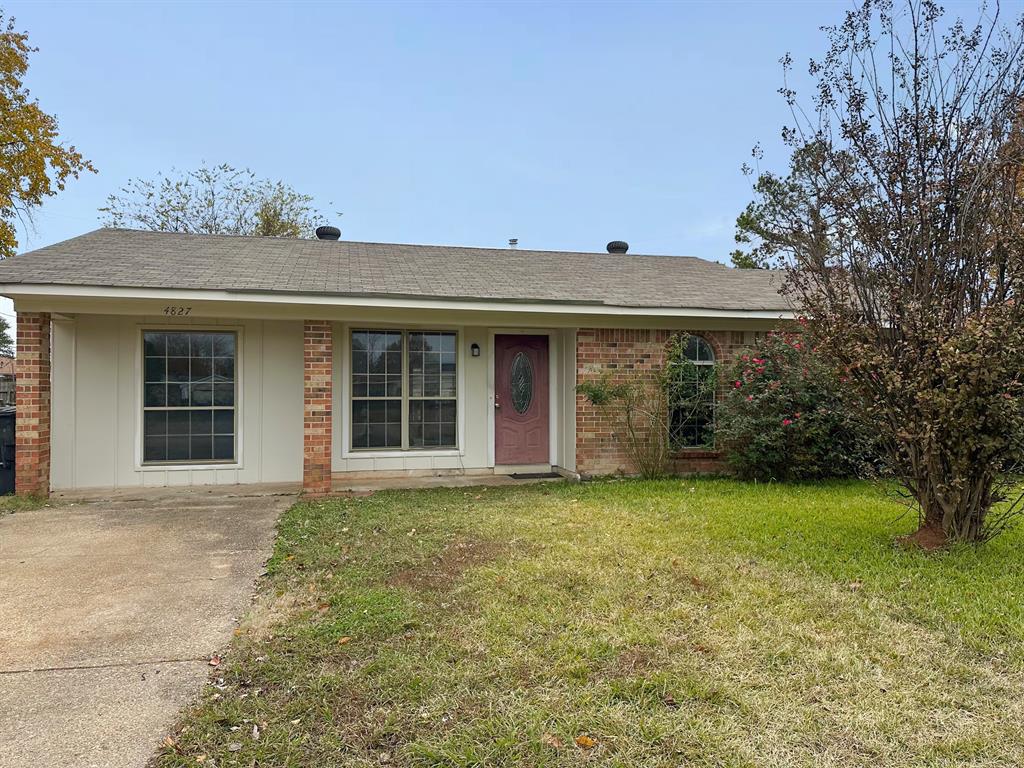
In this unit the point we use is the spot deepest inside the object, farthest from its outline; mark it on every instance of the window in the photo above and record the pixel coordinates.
(188, 402)
(403, 389)
(692, 395)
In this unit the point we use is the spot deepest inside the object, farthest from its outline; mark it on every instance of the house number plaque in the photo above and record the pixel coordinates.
(177, 311)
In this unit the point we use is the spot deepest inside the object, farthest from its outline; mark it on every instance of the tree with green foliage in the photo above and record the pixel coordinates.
(34, 163)
(901, 223)
(213, 200)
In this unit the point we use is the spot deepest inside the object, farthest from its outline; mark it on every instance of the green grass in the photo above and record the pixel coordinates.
(12, 503)
(676, 623)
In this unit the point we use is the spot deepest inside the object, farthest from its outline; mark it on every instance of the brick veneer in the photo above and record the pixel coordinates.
(318, 354)
(32, 399)
(626, 352)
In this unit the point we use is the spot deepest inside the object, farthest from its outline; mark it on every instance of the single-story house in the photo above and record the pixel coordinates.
(153, 359)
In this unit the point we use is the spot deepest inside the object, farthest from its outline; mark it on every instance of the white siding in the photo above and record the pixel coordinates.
(97, 408)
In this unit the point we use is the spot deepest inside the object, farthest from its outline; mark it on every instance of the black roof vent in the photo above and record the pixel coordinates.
(618, 246)
(327, 233)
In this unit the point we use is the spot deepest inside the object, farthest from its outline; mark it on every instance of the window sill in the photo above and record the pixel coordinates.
(173, 467)
(697, 453)
(372, 454)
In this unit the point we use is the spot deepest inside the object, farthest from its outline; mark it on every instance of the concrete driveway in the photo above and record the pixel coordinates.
(109, 613)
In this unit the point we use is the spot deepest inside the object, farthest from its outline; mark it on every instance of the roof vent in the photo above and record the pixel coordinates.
(618, 246)
(327, 233)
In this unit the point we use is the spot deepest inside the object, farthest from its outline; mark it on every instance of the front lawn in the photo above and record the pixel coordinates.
(676, 623)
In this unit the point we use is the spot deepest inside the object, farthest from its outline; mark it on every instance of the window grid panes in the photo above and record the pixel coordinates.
(188, 397)
(377, 389)
(693, 426)
(404, 389)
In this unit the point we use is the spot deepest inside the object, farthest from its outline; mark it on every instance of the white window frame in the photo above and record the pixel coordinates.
(140, 374)
(344, 385)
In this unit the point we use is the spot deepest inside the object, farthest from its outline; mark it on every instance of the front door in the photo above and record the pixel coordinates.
(521, 414)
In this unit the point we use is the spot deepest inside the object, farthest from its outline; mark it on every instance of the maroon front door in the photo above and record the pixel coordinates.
(521, 400)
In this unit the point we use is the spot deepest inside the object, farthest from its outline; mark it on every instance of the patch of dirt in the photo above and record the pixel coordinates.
(271, 611)
(929, 539)
(442, 570)
(633, 661)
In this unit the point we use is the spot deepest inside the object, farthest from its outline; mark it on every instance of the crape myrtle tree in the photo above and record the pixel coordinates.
(899, 221)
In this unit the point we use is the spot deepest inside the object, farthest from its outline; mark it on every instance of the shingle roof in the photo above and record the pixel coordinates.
(134, 259)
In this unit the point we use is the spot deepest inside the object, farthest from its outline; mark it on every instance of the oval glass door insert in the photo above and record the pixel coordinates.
(521, 374)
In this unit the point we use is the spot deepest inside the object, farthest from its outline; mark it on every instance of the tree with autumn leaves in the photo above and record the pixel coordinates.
(34, 162)
(900, 224)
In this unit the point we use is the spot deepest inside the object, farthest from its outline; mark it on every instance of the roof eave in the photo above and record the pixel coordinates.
(403, 301)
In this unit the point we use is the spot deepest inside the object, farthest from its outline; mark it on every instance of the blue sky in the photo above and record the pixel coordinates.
(565, 125)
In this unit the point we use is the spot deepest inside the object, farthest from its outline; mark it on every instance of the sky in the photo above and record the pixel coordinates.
(564, 125)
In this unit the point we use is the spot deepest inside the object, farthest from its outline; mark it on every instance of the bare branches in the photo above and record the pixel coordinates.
(900, 222)
(213, 200)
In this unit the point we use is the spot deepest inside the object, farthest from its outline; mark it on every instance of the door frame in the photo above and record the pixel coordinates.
(554, 394)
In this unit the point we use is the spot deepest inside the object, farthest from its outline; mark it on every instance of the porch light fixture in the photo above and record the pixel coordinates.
(474, 350)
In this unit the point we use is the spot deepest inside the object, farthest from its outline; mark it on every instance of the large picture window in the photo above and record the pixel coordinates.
(404, 389)
(188, 402)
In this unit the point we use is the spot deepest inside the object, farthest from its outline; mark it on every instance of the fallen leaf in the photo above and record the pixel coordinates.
(255, 731)
(552, 741)
(343, 640)
(585, 742)
(234, 746)
(215, 660)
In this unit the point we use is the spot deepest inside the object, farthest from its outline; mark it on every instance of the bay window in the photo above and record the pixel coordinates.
(404, 389)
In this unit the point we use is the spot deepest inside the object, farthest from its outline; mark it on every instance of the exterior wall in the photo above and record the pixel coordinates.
(625, 353)
(97, 403)
(476, 398)
(33, 424)
(97, 409)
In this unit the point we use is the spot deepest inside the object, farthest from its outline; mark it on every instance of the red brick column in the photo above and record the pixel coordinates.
(32, 398)
(317, 393)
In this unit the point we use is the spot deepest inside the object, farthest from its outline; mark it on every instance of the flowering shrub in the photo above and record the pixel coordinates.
(784, 418)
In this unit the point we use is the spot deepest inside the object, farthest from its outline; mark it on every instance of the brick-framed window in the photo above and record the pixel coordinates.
(693, 426)
(189, 397)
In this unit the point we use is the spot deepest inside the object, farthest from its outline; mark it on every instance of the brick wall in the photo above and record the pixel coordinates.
(625, 353)
(32, 398)
(318, 355)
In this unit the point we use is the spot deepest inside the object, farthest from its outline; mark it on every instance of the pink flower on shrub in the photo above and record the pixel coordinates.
(750, 398)
(738, 384)
(786, 422)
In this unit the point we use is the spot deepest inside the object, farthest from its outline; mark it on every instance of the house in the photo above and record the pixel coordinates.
(152, 359)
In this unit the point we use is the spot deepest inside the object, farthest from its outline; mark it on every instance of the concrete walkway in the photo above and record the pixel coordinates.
(109, 612)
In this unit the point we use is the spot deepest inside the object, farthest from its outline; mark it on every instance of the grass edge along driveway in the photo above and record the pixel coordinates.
(629, 623)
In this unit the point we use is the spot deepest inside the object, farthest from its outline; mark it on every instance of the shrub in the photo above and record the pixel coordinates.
(639, 406)
(784, 416)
